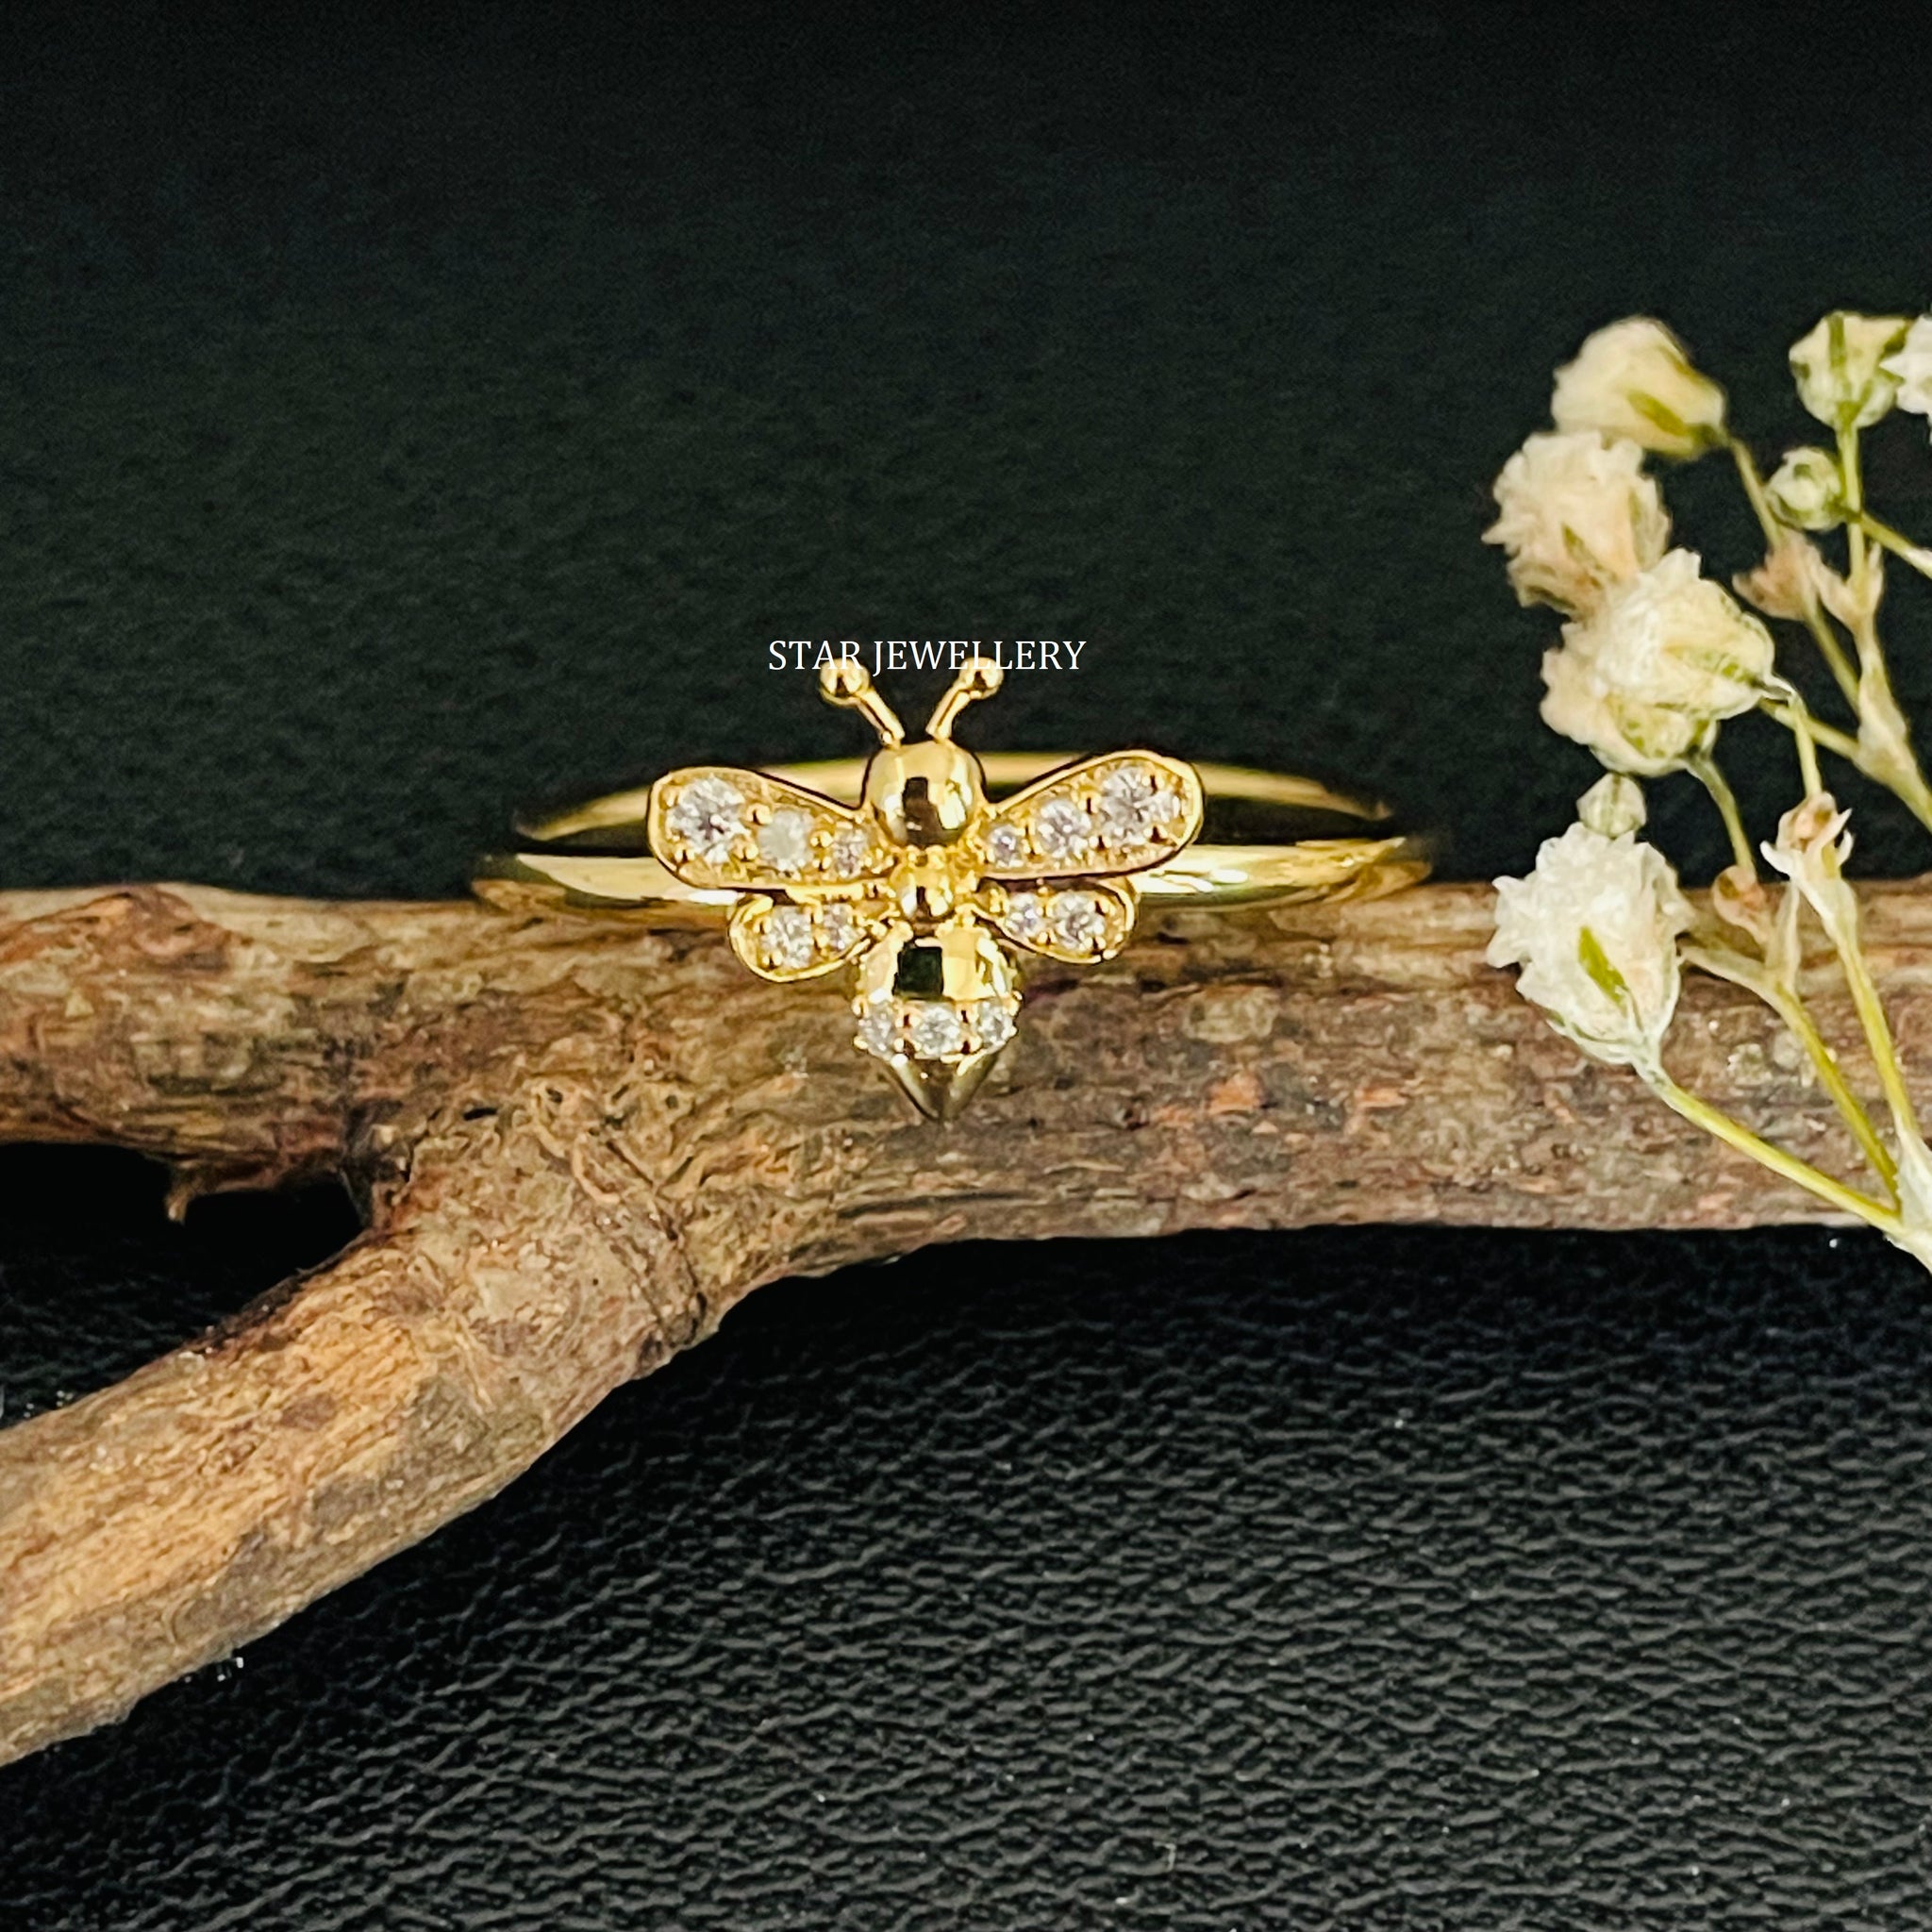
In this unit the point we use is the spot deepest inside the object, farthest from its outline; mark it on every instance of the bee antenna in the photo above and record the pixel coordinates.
(847, 681)
(979, 679)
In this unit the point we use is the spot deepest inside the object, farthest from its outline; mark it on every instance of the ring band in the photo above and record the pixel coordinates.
(910, 869)
(588, 863)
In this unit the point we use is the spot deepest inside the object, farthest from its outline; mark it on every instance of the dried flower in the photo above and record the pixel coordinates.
(1807, 491)
(1654, 658)
(1841, 368)
(1633, 379)
(1910, 366)
(1640, 739)
(1594, 928)
(1738, 898)
(1577, 514)
(1613, 806)
(1673, 638)
(1645, 677)
(1789, 580)
(1810, 850)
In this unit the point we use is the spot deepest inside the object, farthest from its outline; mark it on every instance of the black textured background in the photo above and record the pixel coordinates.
(411, 415)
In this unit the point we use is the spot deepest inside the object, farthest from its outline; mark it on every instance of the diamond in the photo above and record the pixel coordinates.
(1079, 924)
(709, 815)
(936, 1030)
(1060, 829)
(1006, 844)
(992, 1026)
(785, 841)
(1025, 915)
(851, 850)
(788, 941)
(837, 929)
(1132, 806)
(879, 1031)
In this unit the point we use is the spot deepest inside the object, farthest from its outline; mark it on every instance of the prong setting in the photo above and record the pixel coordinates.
(911, 887)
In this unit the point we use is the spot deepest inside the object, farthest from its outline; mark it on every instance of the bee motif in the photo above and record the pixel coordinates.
(925, 885)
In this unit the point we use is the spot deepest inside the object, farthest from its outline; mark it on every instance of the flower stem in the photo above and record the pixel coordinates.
(1810, 733)
(1774, 534)
(1808, 750)
(1788, 1004)
(1831, 1077)
(1706, 768)
(1735, 1134)
(1877, 1029)
(1884, 736)
(1900, 775)
(1900, 545)
(1854, 492)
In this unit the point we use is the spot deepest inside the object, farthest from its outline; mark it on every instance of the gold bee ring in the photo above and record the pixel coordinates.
(901, 867)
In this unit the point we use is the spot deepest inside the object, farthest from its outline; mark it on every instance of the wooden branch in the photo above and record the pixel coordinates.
(581, 1140)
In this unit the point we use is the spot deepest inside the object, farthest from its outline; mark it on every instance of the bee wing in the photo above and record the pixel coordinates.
(717, 826)
(1099, 818)
(784, 940)
(1078, 919)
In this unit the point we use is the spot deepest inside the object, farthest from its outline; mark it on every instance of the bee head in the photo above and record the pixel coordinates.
(924, 793)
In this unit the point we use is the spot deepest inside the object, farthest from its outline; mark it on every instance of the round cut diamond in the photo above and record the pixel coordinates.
(1078, 920)
(785, 841)
(1133, 806)
(992, 1026)
(936, 1030)
(1025, 915)
(879, 1031)
(1059, 829)
(1006, 844)
(851, 850)
(788, 941)
(708, 814)
(837, 927)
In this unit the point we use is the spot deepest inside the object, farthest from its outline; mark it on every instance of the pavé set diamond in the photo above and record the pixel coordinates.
(906, 877)
(913, 884)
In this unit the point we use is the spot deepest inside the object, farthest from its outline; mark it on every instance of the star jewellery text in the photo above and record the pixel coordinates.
(929, 654)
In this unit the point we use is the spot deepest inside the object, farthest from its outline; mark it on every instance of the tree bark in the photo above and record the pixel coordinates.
(581, 1138)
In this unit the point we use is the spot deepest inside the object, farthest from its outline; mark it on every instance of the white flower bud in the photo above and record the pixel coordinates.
(1577, 514)
(1633, 379)
(1810, 850)
(1791, 580)
(1910, 367)
(1594, 928)
(1738, 898)
(1807, 491)
(1841, 368)
(1673, 638)
(1613, 806)
(1644, 740)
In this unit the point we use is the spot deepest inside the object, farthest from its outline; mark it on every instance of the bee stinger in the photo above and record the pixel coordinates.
(923, 886)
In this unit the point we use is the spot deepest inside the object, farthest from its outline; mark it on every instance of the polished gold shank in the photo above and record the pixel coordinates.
(1202, 875)
(844, 779)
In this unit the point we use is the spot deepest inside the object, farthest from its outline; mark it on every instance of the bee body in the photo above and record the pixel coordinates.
(910, 885)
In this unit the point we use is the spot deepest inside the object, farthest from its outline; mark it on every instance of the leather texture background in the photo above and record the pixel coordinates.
(1394, 1578)
(413, 415)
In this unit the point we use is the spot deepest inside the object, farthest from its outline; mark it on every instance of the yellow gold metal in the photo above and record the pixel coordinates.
(844, 779)
(919, 867)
